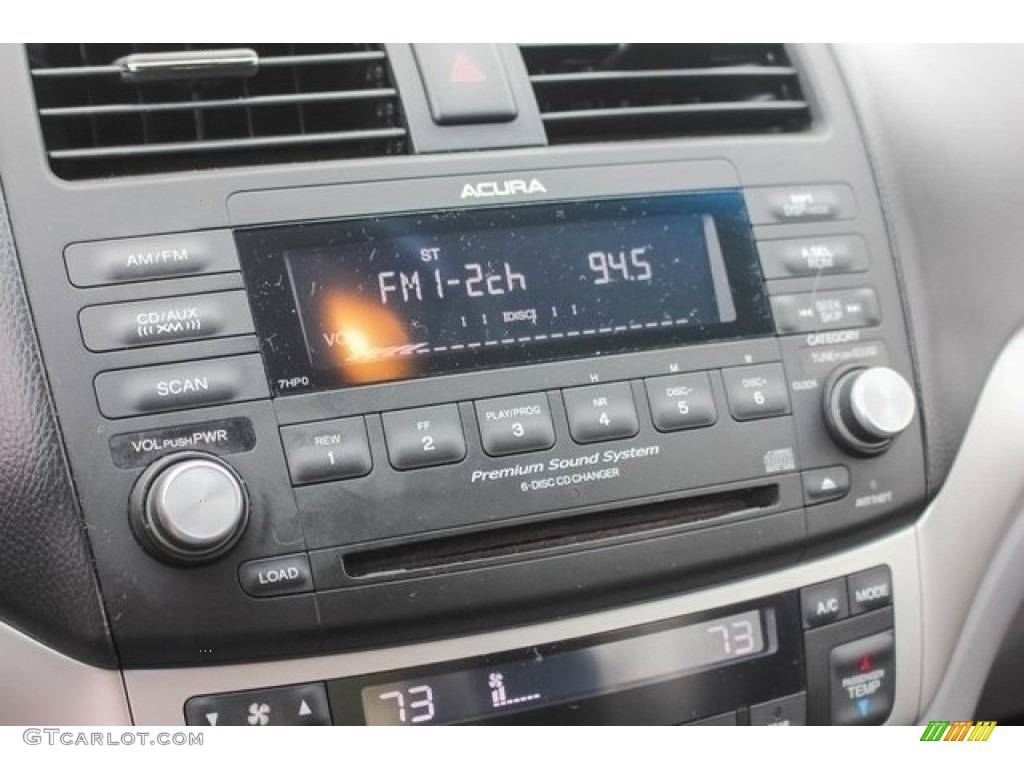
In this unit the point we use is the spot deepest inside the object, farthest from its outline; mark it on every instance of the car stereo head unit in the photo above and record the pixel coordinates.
(369, 413)
(397, 297)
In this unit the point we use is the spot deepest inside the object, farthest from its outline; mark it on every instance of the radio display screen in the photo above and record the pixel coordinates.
(674, 668)
(398, 297)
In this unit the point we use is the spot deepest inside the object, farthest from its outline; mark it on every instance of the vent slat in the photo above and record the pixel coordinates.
(304, 102)
(227, 144)
(673, 109)
(265, 62)
(631, 91)
(573, 78)
(251, 101)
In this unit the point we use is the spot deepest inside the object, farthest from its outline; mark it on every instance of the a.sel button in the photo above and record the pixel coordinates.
(813, 256)
(424, 437)
(756, 391)
(183, 385)
(681, 402)
(275, 576)
(327, 450)
(120, 261)
(602, 412)
(294, 705)
(515, 424)
(162, 321)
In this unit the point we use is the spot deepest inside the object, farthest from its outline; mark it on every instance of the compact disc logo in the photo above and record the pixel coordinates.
(505, 188)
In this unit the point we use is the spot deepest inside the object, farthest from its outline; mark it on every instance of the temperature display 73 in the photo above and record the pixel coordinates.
(472, 695)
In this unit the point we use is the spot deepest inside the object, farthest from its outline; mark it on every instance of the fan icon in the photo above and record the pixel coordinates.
(259, 714)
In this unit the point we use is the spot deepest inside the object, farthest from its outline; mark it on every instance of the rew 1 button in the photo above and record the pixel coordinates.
(424, 437)
(288, 575)
(515, 424)
(327, 450)
(602, 412)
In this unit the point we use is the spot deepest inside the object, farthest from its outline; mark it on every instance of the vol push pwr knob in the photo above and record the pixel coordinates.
(867, 408)
(188, 508)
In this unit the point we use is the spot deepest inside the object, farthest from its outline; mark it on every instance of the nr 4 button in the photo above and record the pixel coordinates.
(515, 424)
(602, 412)
(424, 437)
(756, 391)
(327, 450)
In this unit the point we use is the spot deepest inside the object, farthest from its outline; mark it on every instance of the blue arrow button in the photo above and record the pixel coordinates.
(863, 705)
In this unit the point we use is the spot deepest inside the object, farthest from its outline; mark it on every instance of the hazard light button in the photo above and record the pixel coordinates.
(862, 680)
(465, 83)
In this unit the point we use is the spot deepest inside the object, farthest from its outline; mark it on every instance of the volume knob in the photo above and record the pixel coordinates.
(866, 408)
(189, 508)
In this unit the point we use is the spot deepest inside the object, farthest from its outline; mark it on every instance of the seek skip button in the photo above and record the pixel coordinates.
(275, 576)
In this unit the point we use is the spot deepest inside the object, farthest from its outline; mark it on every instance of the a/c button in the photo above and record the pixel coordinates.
(824, 603)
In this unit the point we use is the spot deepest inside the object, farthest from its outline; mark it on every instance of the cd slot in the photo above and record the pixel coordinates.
(535, 537)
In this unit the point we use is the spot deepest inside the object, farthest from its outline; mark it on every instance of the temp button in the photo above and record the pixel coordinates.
(515, 424)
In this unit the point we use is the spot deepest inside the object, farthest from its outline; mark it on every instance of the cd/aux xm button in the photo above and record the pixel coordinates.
(515, 424)
(183, 385)
(162, 321)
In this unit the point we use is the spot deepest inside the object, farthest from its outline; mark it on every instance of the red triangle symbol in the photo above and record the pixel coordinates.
(465, 70)
(865, 663)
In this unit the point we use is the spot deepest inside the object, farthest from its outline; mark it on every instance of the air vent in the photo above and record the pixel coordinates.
(624, 91)
(115, 109)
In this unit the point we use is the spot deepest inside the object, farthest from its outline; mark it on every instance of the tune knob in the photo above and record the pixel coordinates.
(866, 408)
(188, 508)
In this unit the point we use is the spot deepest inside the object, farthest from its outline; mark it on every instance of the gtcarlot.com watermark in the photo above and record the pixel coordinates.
(53, 737)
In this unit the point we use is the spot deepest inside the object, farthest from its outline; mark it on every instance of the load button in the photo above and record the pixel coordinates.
(276, 576)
